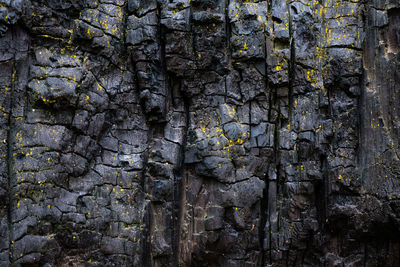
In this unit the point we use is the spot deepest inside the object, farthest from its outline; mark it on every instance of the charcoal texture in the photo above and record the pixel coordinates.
(199, 133)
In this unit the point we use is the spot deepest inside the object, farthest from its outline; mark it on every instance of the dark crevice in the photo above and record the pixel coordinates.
(345, 46)
(191, 32)
(264, 200)
(227, 30)
(321, 194)
(179, 187)
(124, 27)
(264, 216)
(147, 258)
(161, 38)
(292, 64)
(180, 184)
(276, 20)
(147, 245)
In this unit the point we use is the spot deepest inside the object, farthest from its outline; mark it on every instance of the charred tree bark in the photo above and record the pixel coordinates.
(199, 133)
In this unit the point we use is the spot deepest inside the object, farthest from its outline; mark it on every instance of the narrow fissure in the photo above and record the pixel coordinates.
(263, 221)
(181, 183)
(162, 57)
(10, 140)
(292, 62)
(264, 200)
(320, 194)
(277, 168)
(147, 255)
(124, 28)
(227, 30)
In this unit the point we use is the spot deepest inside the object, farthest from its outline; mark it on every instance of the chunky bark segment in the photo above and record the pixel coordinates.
(199, 133)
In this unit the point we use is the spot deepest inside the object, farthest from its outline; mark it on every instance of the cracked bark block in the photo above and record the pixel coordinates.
(142, 29)
(235, 131)
(219, 168)
(249, 47)
(54, 90)
(262, 135)
(243, 193)
(141, 7)
(176, 16)
(165, 152)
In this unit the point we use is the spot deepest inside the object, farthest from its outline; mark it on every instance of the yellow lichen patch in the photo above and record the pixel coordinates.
(231, 110)
(202, 127)
(18, 137)
(374, 125)
(312, 76)
(321, 54)
(45, 100)
(231, 143)
(99, 87)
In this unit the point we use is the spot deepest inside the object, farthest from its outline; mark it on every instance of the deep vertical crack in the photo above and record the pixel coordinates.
(10, 151)
(148, 220)
(181, 182)
(292, 62)
(264, 200)
(227, 30)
